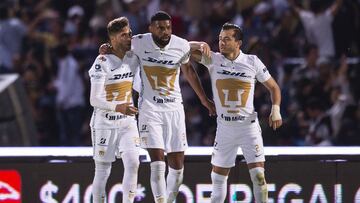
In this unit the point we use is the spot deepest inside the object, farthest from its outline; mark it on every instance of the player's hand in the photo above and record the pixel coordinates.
(126, 109)
(275, 120)
(205, 49)
(210, 106)
(105, 48)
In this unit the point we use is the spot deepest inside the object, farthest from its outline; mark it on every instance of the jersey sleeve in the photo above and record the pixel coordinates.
(135, 44)
(96, 100)
(97, 74)
(186, 58)
(98, 70)
(262, 73)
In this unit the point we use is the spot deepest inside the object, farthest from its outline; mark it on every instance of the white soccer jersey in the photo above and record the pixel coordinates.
(233, 84)
(160, 70)
(117, 77)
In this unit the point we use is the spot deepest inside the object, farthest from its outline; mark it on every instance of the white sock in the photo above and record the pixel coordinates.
(259, 184)
(102, 172)
(157, 179)
(173, 182)
(219, 184)
(129, 183)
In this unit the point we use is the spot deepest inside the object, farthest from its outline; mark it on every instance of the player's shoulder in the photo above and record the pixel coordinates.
(140, 41)
(216, 54)
(102, 58)
(131, 57)
(141, 37)
(179, 41)
(249, 58)
(216, 57)
(101, 62)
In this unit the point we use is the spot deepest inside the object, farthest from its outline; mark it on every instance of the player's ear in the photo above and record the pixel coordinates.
(240, 43)
(111, 38)
(151, 27)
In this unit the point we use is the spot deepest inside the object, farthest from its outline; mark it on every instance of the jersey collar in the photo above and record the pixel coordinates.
(237, 59)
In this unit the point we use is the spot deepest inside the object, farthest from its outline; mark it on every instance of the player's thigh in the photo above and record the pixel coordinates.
(104, 143)
(129, 137)
(225, 147)
(175, 138)
(252, 143)
(151, 130)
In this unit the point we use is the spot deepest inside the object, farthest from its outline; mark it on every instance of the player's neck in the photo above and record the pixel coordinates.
(233, 55)
(119, 54)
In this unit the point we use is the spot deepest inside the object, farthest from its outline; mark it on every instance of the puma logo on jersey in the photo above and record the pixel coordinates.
(122, 76)
(161, 79)
(165, 62)
(240, 74)
(233, 93)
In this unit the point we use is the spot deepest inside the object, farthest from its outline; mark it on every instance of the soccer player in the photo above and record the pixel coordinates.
(161, 112)
(233, 77)
(113, 125)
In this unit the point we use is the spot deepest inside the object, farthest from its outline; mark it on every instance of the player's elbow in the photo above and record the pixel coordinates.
(275, 90)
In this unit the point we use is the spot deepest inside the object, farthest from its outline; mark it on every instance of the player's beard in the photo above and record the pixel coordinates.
(122, 48)
(161, 42)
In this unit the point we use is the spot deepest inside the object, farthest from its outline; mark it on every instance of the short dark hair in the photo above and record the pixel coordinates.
(238, 35)
(117, 25)
(160, 15)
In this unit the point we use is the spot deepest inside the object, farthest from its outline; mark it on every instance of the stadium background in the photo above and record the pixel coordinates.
(38, 37)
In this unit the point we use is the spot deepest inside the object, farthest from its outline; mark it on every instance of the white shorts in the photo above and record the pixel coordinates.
(108, 143)
(163, 130)
(229, 138)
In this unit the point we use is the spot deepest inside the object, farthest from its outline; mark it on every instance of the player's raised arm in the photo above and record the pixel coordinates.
(275, 120)
(199, 50)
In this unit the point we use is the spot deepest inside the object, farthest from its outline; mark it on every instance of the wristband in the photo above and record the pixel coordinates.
(275, 113)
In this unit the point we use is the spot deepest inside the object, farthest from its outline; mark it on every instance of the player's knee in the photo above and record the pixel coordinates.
(103, 169)
(258, 176)
(132, 163)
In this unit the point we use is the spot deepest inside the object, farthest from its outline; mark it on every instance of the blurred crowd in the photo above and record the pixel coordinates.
(311, 48)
